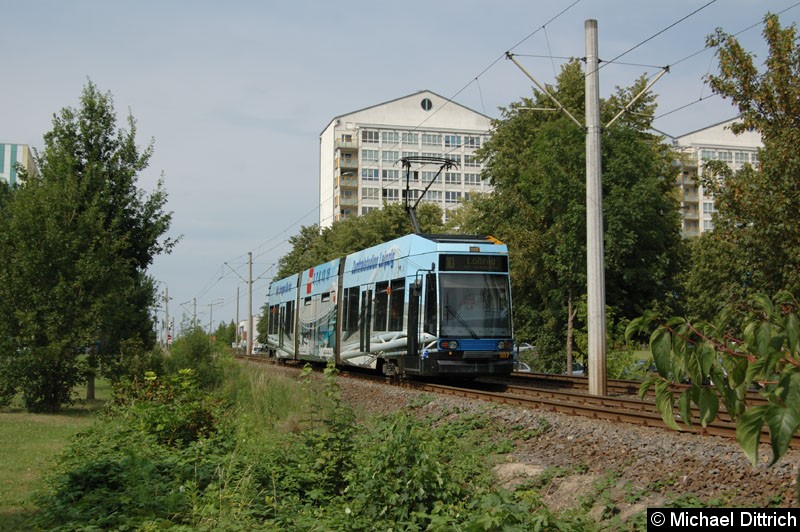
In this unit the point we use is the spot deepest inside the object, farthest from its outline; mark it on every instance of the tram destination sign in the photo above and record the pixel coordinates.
(473, 263)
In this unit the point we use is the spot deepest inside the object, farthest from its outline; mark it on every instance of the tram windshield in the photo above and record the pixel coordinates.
(474, 305)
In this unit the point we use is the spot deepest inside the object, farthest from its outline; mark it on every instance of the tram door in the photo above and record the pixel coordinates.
(287, 329)
(414, 295)
(366, 320)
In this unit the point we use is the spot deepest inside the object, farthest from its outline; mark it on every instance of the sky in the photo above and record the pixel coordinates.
(234, 95)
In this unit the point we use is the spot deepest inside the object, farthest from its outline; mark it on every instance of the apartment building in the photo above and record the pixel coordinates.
(10, 155)
(360, 155)
(713, 143)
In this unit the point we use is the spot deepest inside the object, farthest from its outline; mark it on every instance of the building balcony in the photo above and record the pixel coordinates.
(349, 201)
(346, 144)
(350, 164)
(346, 182)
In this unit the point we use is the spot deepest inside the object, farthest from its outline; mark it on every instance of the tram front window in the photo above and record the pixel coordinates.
(474, 305)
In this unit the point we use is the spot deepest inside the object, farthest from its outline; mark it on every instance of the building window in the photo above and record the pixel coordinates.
(452, 178)
(456, 158)
(725, 156)
(708, 207)
(410, 154)
(391, 194)
(472, 142)
(427, 177)
(471, 160)
(369, 137)
(452, 141)
(708, 155)
(472, 179)
(430, 139)
(432, 196)
(390, 175)
(430, 154)
(390, 157)
(452, 197)
(370, 174)
(413, 194)
(390, 137)
(410, 138)
(369, 193)
(365, 210)
(369, 156)
(742, 157)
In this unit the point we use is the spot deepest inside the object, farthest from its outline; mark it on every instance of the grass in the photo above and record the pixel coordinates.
(28, 445)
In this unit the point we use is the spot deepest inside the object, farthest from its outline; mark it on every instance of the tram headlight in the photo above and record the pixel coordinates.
(449, 344)
(503, 345)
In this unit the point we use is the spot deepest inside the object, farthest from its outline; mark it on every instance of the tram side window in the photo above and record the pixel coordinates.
(273, 319)
(289, 319)
(396, 296)
(350, 311)
(381, 306)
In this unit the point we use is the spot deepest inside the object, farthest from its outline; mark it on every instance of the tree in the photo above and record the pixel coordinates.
(755, 245)
(536, 163)
(753, 250)
(225, 335)
(759, 345)
(313, 246)
(77, 243)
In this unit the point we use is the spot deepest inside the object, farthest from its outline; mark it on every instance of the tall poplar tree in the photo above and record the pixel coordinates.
(77, 243)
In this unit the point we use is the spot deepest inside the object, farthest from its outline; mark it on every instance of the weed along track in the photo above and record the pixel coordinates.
(568, 395)
(618, 455)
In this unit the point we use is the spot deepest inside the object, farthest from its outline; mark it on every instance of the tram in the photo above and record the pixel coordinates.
(419, 305)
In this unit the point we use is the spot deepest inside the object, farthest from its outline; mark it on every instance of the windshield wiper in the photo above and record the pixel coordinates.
(461, 320)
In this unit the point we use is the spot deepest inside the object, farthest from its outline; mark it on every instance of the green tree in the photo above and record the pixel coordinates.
(77, 242)
(313, 246)
(755, 245)
(759, 345)
(225, 334)
(536, 163)
(193, 350)
(754, 249)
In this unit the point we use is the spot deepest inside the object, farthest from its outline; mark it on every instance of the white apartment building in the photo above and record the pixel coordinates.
(716, 142)
(360, 155)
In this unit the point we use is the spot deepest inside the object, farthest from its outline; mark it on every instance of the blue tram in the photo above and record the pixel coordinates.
(425, 305)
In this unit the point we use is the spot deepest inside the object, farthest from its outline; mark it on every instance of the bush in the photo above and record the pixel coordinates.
(133, 466)
(167, 456)
(193, 351)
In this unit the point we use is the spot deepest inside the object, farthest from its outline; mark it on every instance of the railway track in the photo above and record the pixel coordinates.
(615, 387)
(568, 395)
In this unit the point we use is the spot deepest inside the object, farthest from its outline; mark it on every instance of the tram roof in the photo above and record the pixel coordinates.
(461, 239)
